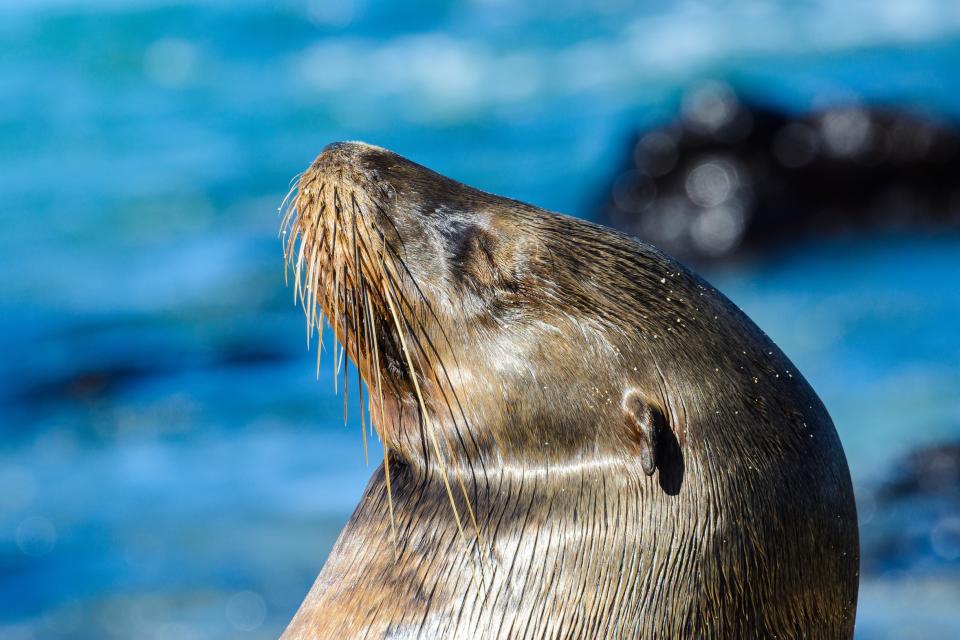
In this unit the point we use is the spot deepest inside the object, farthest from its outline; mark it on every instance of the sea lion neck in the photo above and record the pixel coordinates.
(539, 545)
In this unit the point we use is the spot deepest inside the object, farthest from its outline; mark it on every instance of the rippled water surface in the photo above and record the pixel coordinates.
(169, 467)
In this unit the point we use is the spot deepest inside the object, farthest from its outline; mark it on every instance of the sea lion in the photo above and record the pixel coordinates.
(583, 439)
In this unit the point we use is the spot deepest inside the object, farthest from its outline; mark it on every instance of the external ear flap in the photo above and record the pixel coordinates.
(644, 423)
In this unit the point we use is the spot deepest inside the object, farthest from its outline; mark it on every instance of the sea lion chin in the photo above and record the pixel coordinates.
(582, 438)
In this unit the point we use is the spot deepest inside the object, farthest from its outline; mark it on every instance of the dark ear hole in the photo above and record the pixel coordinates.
(653, 442)
(645, 427)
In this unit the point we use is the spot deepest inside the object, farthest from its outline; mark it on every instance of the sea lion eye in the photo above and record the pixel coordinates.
(483, 261)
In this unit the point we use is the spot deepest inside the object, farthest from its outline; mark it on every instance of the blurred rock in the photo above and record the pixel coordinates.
(933, 472)
(911, 521)
(729, 177)
(94, 365)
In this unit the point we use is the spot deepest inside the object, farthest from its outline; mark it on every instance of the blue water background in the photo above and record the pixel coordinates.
(169, 466)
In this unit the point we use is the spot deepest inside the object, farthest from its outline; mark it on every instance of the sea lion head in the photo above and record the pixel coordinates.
(490, 329)
(572, 376)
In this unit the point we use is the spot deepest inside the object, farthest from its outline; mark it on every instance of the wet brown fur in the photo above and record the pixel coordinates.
(584, 439)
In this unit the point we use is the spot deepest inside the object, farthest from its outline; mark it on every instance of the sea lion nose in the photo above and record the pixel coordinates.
(336, 146)
(345, 154)
(351, 148)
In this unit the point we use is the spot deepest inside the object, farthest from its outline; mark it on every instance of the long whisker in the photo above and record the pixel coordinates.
(397, 258)
(356, 291)
(313, 281)
(389, 288)
(443, 369)
(336, 286)
(364, 286)
(423, 409)
(386, 447)
(345, 328)
(390, 285)
(425, 416)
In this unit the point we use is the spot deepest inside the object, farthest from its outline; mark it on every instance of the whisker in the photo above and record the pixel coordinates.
(352, 293)
(423, 408)
(332, 317)
(355, 293)
(445, 372)
(396, 257)
(386, 475)
(456, 467)
(390, 283)
(386, 446)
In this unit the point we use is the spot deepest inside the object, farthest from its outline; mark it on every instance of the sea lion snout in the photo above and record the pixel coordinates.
(348, 152)
(345, 146)
(357, 168)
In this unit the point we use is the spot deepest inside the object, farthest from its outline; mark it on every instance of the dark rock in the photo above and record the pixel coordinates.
(729, 177)
(911, 521)
(97, 365)
(933, 471)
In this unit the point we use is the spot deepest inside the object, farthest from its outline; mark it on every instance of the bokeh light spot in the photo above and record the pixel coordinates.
(710, 107)
(246, 610)
(712, 182)
(36, 536)
(945, 538)
(718, 230)
(846, 132)
(171, 62)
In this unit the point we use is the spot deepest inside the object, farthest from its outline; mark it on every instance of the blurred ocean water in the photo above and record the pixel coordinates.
(169, 467)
